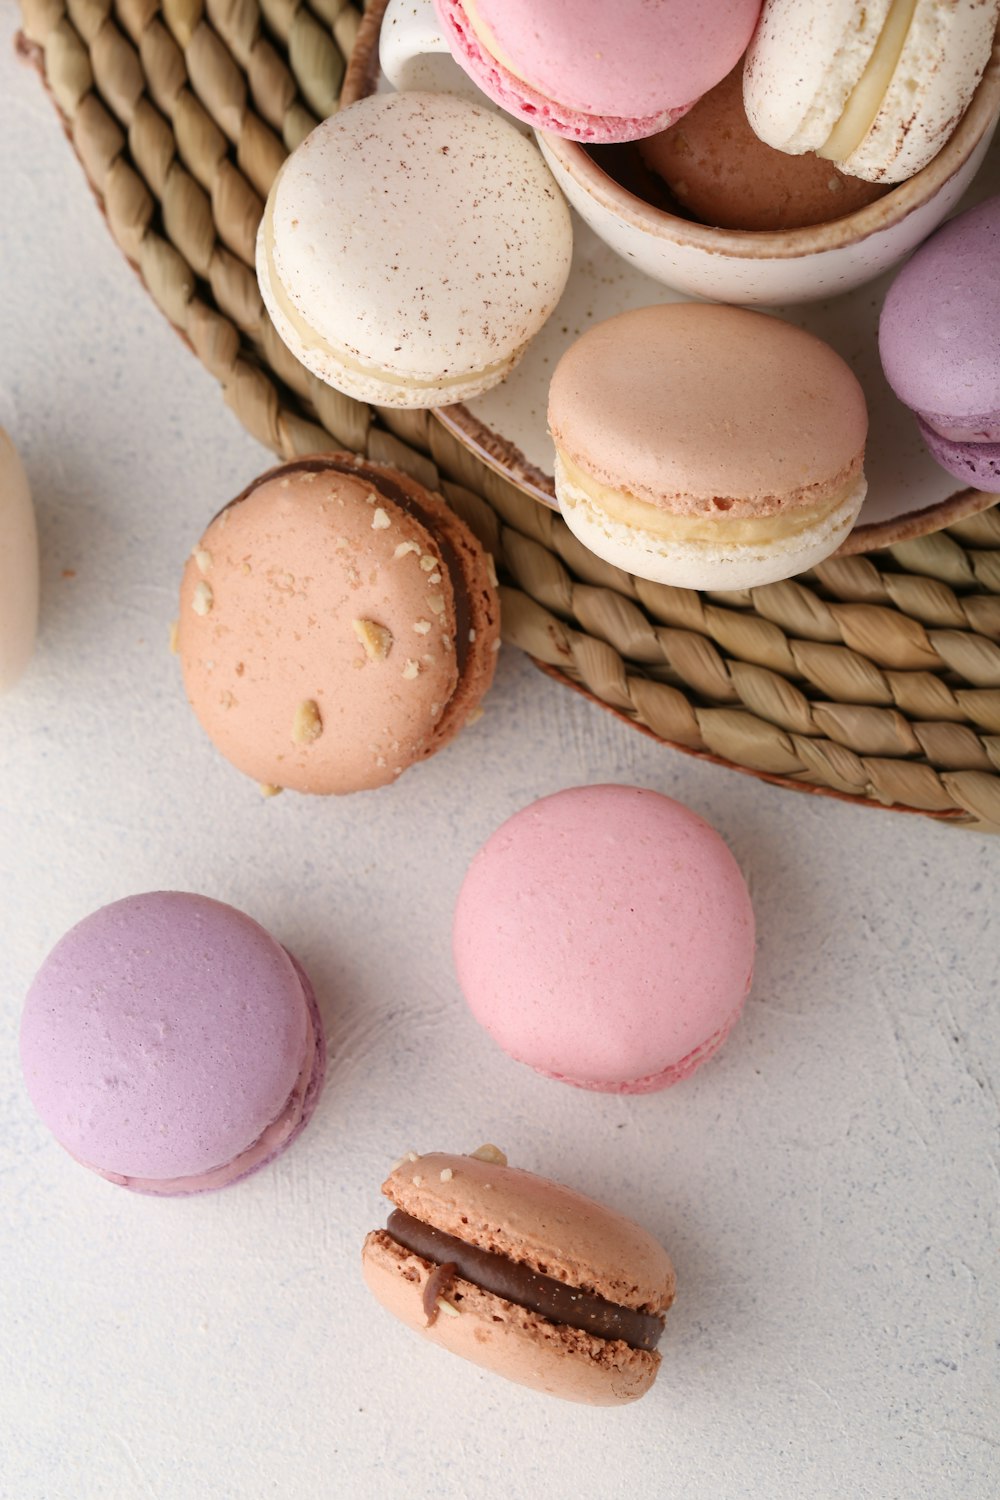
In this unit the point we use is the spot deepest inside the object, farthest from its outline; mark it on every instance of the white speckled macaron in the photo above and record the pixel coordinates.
(876, 88)
(411, 248)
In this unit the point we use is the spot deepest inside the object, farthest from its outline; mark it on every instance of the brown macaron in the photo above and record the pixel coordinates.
(337, 624)
(721, 173)
(522, 1276)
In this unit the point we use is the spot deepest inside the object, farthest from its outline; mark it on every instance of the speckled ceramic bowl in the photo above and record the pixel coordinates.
(782, 266)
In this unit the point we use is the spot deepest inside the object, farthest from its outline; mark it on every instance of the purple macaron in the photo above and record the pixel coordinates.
(939, 338)
(171, 1044)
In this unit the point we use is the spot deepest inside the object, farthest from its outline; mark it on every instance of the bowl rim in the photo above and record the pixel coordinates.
(570, 158)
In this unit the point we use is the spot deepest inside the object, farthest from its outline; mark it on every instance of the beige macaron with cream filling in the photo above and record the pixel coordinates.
(876, 88)
(411, 248)
(338, 622)
(707, 447)
(515, 1273)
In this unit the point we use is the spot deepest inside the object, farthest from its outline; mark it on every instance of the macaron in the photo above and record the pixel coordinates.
(877, 88)
(722, 174)
(590, 71)
(939, 339)
(522, 1276)
(411, 248)
(172, 1045)
(18, 566)
(337, 624)
(605, 937)
(707, 447)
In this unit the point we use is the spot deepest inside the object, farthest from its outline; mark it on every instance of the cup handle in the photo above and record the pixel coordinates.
(413, 52)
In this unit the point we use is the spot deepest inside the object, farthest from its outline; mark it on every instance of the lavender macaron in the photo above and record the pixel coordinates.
(939, 338)
(172, 1045)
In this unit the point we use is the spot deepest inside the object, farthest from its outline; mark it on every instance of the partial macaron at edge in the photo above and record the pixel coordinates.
(876, 89)
(518, 98)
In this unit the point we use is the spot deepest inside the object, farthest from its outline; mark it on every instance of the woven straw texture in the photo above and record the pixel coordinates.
(872, 678)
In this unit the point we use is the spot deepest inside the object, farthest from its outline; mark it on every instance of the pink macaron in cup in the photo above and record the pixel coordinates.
(171, 1044)
(581, 69)
(605, 937)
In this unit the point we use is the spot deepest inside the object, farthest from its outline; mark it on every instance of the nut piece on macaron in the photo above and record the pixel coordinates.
(522, 1276)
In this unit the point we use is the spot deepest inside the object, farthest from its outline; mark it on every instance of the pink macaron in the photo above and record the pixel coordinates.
(172, 1045)
(592, 71)
(605, 937)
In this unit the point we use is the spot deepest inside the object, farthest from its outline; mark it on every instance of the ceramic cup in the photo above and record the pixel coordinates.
(724, 265)
(413, 53)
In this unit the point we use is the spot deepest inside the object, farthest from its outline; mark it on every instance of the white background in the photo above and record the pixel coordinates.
(827, 1186)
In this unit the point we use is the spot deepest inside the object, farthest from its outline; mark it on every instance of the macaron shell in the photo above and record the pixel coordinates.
(805, 61)
(273, 1140)
(945, 54)
(506, 1339)
(632, 62)
(939, 330)
(483, 605)
(162, 1035)
(411, 247)
(974, 464)
(543, 1224)
(18, 566)
(802, 65)
(724, 175)
(709, 410)
(288, 571)
(633, 931)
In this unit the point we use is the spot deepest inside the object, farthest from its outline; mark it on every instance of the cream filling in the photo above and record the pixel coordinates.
(312, 339)
(744, 531)
(866, 98)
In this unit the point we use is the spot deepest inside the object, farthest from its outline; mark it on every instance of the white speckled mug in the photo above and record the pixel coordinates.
(792, 265)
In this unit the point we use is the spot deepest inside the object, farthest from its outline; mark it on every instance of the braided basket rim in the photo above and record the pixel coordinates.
(874, 679)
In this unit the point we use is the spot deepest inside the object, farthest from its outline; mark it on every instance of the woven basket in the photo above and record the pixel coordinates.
(875, 679)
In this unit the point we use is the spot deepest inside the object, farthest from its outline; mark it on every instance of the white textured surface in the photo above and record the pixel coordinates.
(827, 1186)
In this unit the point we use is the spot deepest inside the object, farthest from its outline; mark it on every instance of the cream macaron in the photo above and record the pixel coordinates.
(411, 248)
(707, 447)
(876, 88)
(337, 624)
(18, 566)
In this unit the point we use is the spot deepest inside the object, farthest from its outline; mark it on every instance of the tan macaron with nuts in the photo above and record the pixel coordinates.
(337, 624)
(522, 1276)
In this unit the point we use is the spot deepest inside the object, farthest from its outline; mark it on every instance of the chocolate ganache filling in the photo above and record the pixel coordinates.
(386, 486)
(518, 1283)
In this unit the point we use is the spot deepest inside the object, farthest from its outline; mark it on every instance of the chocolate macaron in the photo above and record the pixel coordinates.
(522, 1276)
(337, 623)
